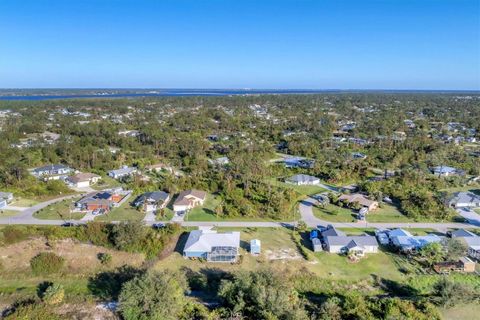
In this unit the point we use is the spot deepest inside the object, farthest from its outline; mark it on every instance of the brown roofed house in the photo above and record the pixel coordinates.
(361, 199)
(82, 180)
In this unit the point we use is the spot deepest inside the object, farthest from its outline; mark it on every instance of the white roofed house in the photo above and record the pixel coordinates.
(405, 241)
(5, 198)
(302, 179)
(213, 246)
(52, 172)
(122, 172)
(473, 244)
(446, 171)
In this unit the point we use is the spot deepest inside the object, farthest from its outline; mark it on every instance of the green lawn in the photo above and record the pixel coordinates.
(334, 213)
(8, 213)
(387, 213)
(59, 210)
(338, 267)
(304, 190)
(23, 202)
(123, 213)
(168, 215)
(105, 183)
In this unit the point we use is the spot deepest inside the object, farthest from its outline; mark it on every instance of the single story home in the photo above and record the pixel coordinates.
(213, 246)
(152, 201)
(409, 243)
(83, 180)
(122, 172)
(159, 167)
(473, 244)
(358, 245)
(302, 179)
(189, 199)
(331, 231)
(222, 161)
(105, 200)
(52, 172)
(298, 162)
(360, 199)
(461, 233)
(464, 200)
(464, 264)
(446, 171)
(7, 196)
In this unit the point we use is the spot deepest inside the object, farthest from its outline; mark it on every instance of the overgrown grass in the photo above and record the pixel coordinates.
(123, 213)
(59, 210)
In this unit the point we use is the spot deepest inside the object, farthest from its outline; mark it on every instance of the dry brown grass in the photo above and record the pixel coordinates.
(79, 257)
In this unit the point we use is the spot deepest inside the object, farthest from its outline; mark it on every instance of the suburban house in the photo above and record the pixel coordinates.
(83, 180)
(105, 200)
(152, 201)
(360, 199)
(358, 245)
(330, 231)
(213, 246)
(464, 264)
(445, 171)
(159, 167)
(189, 199)
(5, 198)
(405, 241)
(464, 200)
(52, 172)
(461, 233)
(473, 247)
(302, 179)
(122, 172)
(222, 161)
(298, 162)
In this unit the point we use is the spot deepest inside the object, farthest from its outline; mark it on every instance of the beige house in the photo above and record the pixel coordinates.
(360, 199)
(189, 199)
(82, 180)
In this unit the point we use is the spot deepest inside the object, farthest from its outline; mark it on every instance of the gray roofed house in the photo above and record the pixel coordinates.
(303, 179)
(52, 172)
(331, 231)
(8, 196)
(152, 201)
(122, 172)
(464, 200)
(357, 244)
(462, 233)
(407, 243)
(446, 171)
(473, 244)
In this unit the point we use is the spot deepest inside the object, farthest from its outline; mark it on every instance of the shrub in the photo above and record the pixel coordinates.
(105, 258)
(46, 263)
(14, 234)
(54, 294)
(31, 310)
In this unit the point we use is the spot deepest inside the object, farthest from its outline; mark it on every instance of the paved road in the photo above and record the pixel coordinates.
(26, 216)
(305, 207)
(306, 212)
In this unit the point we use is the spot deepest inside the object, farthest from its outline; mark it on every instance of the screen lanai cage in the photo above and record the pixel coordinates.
(223, 254)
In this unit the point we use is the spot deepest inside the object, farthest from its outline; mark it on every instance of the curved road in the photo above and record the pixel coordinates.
(305, 208)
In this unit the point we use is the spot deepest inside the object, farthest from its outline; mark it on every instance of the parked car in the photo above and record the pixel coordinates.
(158, 225)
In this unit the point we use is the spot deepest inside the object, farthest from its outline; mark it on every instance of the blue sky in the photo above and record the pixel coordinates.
(401, 44)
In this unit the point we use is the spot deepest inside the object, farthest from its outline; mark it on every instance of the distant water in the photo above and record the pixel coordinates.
(162, 93)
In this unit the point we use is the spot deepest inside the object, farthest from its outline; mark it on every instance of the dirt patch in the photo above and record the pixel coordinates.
(85, 311)
(79, 257)
(283, 254)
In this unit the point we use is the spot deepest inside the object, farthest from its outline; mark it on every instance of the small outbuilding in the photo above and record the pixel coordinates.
(255, 246)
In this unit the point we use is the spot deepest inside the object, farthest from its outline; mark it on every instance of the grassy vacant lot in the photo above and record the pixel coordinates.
(387, 213)
(461, 312)
(59, 210)
(304, 190)
(23, 202)
(81, 261)
(8, 213)
(123, 213)
(334, 213)
(105, 183)
(207, 212)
